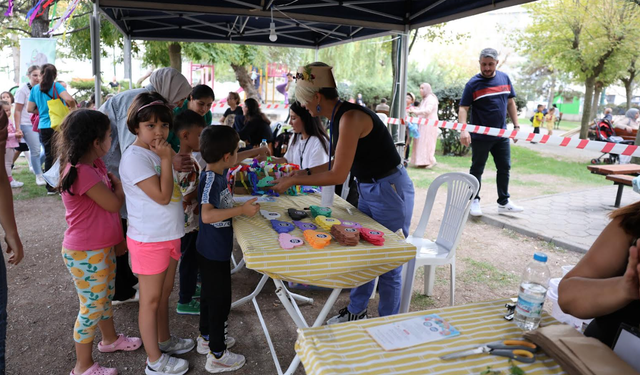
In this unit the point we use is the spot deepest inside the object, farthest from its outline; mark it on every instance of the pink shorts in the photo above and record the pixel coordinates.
(152, 258)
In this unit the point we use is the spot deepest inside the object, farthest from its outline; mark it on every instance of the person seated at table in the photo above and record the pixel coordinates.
(363, 146)
(228, 118)
(629, 123)
(254, 125)
(219, 149)
(199, 101)
(604, 285)
(309, 147)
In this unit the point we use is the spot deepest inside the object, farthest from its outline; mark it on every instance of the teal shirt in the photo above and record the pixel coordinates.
(173, 139)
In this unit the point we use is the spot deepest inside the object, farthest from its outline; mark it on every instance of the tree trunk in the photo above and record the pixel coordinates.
(635, 159)
(628, 91)
(597, 91)
(552, 92)
(244, 79)
(175, 56)
(16, 63)
(586, 110)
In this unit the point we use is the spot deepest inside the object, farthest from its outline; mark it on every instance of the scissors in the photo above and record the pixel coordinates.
(519, 350)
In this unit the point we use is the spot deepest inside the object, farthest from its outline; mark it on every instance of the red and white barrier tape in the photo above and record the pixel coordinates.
(267, 106)
(604, 147)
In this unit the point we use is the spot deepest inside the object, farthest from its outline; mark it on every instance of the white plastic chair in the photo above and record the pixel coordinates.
(461, 187)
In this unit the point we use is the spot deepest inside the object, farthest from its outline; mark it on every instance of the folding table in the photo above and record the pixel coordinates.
(334, 266)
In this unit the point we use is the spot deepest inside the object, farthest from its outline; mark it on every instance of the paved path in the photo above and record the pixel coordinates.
(565, 153)
(570, 220)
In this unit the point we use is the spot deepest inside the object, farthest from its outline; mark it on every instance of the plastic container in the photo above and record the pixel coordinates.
(264, 143)
(566, 269)
(327, 195)
(533, 290)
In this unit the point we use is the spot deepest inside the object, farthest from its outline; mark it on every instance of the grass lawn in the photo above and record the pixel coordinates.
(523, 162)
(29, 190)
(564, 124)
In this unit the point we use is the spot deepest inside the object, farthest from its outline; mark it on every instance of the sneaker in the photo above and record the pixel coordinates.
(198, 292)
(16, 184)
(475, 208)
(345, 316)
(509, 208)
(228, 362)
(167, 365)
(203, 344)
(177, 346)
(40, 180)
(135, 298)
(191, 308)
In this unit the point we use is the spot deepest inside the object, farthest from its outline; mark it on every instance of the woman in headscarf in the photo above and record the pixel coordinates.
(424, 147)
(629, 122)
(175, 88)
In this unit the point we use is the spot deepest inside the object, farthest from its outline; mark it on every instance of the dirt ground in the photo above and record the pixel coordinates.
(43, 302)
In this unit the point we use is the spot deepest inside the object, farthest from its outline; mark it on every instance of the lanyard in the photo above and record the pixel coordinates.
(304, 148)
(331, 131)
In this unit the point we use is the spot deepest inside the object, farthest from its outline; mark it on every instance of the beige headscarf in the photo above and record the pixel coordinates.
(171, 84)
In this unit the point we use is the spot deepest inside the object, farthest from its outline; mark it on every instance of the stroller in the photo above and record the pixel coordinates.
(604, 132)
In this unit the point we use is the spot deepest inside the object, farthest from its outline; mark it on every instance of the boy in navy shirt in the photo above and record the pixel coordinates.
(490, 95)
(219, 149)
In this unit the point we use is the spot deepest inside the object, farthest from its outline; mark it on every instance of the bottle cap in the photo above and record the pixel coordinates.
(540, 257)
(264, 140)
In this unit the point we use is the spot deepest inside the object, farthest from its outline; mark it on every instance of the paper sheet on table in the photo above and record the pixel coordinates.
(412, 332)
(261, 199)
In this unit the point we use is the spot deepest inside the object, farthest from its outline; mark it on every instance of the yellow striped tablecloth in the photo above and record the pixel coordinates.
(334, 266)
(348, 349)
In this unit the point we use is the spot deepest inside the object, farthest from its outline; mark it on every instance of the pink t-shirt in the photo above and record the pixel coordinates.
(91, 227)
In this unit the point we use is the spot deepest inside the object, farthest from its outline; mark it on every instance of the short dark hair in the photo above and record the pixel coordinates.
(540, 105)
(202, 91)
(383, 100)
(187, 119)
(217, 141)
(13, 100)
(135, 115)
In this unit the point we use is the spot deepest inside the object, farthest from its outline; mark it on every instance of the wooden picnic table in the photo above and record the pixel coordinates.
(621, 175)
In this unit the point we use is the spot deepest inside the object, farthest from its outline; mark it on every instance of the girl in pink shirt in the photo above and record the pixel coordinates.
(92, 199)
(12, 143)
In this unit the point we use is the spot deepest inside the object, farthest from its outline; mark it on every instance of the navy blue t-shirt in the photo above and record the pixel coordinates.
(215, 240)
(488, 98)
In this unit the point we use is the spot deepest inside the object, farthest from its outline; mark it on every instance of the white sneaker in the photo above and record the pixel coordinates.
(167, 365)
(228, 362)
(16, 184)
(135, 298)
(177, 346)
(203, 344)
(40, 180)
(344, 315)
(475, 210)
(509, 208)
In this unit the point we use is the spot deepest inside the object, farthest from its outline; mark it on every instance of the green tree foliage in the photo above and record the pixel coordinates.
(590, 39)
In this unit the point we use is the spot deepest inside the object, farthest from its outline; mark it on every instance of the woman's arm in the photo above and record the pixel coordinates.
(596, 277)
(32, 108)
(18, 114)
(71, 103)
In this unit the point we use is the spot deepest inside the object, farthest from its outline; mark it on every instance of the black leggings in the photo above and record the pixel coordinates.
(125, 279)
(215, 301)
(46, 138)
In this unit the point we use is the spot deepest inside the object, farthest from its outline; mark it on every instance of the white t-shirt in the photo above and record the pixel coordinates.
(307, 153)
(22, 97)
(148, 220)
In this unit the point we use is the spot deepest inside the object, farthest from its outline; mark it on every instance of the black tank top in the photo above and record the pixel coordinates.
(376, 153)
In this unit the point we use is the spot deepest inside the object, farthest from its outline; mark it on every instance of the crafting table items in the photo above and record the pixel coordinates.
(346, 236)
(317, 240)
(372, 236)
(257, 178)
(288, 241)
(295, 214)
(304, 225)
(350, 224)
(317, 210)
(282, 226)
(326, 222)
(269, 215)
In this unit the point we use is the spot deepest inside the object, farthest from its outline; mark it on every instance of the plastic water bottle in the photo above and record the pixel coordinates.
(533, 290)
(264, 143)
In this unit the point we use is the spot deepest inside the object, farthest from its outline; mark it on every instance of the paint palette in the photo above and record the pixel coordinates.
(305, 226)
(317, 240)
(374, 237)
(346, 236)
(282, 226)
(296, 214)
(288, 241)
(326, 222)
(350, 224)
(270, 215)
(317, 210)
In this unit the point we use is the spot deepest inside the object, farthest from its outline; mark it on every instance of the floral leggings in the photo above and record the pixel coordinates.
(93, 272)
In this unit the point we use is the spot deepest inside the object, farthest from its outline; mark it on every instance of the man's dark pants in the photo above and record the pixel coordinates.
(500, 149)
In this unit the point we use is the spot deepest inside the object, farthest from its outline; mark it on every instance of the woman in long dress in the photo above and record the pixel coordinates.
(424, 148)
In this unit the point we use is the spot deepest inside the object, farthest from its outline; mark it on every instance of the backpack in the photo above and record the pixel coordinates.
(281, 141)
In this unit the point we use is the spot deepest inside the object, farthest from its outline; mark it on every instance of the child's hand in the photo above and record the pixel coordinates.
(116, 184)
(161, 148)
(19, 133)
(249, 208)
(263, 152)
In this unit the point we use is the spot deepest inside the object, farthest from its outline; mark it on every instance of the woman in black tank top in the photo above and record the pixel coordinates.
(605, 284)
(364, 147)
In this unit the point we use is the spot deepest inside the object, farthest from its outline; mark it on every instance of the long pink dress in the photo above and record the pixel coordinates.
(424, 148)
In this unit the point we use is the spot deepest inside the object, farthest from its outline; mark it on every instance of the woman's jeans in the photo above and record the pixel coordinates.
(46, 138)
(33, 141)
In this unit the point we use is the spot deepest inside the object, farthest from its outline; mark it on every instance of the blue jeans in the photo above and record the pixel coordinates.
(500, 149)
(3, 312)
(33, 141)
(389, 201)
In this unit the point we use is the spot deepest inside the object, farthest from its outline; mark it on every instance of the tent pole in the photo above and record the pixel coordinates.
(316, 56)
(95, 52)
(127, 60)
(403, 51)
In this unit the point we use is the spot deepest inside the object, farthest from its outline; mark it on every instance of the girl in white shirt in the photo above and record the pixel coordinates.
(309, 147)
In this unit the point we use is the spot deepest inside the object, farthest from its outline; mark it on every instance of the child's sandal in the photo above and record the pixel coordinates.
(123, 342)
(96, 369)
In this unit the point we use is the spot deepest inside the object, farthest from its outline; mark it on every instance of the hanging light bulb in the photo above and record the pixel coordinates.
(272, 29)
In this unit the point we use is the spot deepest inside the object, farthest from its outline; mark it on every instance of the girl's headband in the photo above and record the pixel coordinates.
(155, 102)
